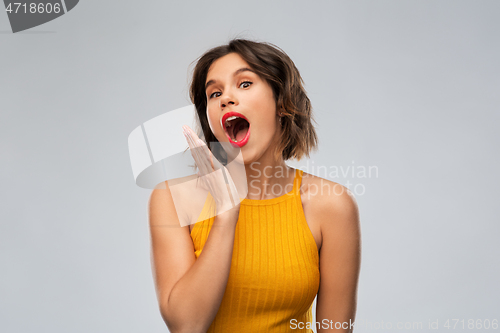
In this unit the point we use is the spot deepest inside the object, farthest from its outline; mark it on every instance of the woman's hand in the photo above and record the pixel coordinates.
(214, 176)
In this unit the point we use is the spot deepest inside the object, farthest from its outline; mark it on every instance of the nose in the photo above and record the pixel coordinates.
(227, 98)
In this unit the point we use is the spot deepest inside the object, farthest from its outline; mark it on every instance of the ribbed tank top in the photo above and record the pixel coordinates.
(274, 275)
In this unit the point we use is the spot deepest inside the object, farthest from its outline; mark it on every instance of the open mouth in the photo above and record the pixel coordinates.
(237, 128)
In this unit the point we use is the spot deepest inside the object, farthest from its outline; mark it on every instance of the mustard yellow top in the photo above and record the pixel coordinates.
(274, 274)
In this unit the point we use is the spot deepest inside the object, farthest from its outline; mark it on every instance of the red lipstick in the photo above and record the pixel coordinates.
(243, 141)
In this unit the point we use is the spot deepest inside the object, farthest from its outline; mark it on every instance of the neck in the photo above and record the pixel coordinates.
(267, 180)
(267, 177)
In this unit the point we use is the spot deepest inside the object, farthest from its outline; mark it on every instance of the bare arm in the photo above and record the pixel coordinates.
(340, 260)
(189, 290)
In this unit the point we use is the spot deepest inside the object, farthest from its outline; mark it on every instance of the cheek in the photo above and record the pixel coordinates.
(267, 116)
(270, 125)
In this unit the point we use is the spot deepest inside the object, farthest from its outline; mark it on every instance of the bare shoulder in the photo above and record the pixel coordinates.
(183, 195)
(329, 203)
(161, 207)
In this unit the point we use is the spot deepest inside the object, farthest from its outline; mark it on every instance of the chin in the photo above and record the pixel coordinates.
(252, 155)
(249, 153)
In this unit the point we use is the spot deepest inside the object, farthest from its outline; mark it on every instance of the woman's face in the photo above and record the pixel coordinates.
(232, 86)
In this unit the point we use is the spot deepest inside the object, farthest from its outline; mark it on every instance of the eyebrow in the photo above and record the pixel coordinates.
(241, 70)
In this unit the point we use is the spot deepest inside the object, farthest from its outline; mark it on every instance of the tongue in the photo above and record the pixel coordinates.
(241, 134)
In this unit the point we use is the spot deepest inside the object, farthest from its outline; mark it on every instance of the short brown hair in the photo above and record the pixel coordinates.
(298, 136)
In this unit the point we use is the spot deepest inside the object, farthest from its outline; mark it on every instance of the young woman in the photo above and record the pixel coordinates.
(257, 267)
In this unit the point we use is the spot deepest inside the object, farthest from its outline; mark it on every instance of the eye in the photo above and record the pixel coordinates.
(212, 95)
(245, 82)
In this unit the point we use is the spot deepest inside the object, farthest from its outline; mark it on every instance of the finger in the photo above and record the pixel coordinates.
(215, 163)
(207, 152)
(201, 160)
(216, 166)
(192, 147)
(202, 152)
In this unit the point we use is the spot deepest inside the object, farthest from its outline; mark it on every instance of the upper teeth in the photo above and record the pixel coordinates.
(226, 124)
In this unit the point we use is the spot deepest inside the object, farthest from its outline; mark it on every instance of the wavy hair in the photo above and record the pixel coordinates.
(298, 136)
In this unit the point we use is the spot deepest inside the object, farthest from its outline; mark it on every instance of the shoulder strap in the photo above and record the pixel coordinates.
(297, 180)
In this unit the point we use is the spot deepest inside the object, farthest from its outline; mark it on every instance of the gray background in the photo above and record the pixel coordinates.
(411, 87)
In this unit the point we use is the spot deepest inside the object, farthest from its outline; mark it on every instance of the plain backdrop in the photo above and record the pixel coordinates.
(410, 88)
